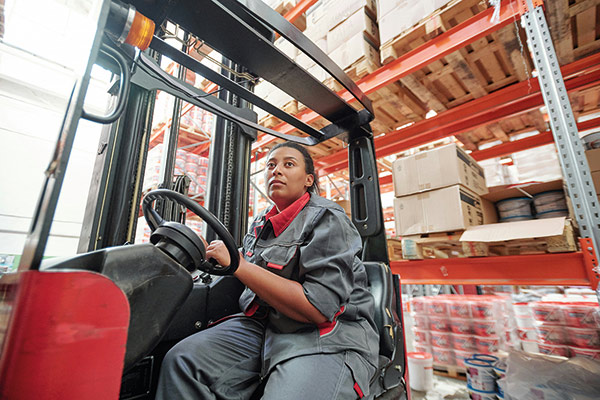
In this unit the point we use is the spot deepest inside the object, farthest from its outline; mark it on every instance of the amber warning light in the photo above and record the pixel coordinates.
(129, 26)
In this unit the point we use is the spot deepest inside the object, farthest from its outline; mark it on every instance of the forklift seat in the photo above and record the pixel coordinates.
(381, 287)
(155, 286)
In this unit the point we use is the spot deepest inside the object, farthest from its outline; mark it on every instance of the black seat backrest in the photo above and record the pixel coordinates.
(155, 285)
(382, 289)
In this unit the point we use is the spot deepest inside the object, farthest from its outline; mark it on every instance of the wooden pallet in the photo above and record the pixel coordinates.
(573, 26)
(448, 245)
(424, 30)
(394, 247)
(486, 65)
(433, 245)
(269, 121)
(362, 68)
(450, 371)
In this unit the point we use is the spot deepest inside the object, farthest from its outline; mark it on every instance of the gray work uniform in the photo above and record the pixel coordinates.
(318, 246)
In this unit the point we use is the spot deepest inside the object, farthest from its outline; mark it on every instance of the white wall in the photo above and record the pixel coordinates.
(35, 83)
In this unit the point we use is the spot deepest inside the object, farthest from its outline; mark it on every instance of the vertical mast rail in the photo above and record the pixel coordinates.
(572, 158)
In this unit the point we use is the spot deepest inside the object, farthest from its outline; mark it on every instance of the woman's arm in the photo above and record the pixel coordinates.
(285, 295)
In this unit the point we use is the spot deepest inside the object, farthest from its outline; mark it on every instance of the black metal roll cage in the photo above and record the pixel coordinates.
(242, 41)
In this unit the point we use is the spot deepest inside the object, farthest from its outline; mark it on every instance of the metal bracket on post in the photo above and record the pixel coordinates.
(590, 261)
(524, 7)
(572, 158)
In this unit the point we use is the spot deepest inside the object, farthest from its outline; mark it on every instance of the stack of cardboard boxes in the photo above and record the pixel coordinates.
(437, 191)
(345, 30)
(443, 209)
(593, 157)
(397, 16)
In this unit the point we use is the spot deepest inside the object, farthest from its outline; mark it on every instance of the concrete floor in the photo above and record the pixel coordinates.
(443, 389)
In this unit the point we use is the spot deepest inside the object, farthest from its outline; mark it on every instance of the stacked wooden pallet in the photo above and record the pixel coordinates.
(488, 64)
(485, 66)
(346, 32)
(449, 245)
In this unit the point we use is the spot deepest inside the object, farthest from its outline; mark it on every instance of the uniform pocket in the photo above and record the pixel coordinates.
(280, 259)
(362, 372)
(248, 244)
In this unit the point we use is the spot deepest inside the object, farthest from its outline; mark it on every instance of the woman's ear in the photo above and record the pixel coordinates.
(310, 179)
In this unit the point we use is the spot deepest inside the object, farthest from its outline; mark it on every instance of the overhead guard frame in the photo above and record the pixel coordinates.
(247, 40)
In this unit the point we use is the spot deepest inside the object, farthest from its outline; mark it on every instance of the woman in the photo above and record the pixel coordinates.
(306, 330)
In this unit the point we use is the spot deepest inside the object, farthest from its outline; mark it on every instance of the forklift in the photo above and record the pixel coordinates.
(97, 324)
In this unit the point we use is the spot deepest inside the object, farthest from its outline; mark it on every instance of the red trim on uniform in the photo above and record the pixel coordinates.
(252, 309)
(255, 228)
(358, 390)
(275, 266)
(249, 253)
(327, 326)
(283, 219)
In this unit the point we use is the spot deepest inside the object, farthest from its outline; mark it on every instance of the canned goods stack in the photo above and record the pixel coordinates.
(142, 232)
(453, 328)
(152, 172)
(560, 328)
(196, 225)
(186, 163)
(198, 120)
(486, 377)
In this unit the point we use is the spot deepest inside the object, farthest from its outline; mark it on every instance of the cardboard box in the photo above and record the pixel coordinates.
(497, 193)
(553, 235)
(331, 13)
(358, 22)
(355, 48)
(345, 204)
(442, 210)
(596, 180)
(444, 166)
(287, 48)
(537, 236)
(398, 16)
(428, 7)
(593, 157)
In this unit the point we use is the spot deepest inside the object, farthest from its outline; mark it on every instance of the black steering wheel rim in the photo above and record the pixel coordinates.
(154, 221)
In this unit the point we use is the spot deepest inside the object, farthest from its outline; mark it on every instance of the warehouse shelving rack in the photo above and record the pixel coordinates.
(579, 268)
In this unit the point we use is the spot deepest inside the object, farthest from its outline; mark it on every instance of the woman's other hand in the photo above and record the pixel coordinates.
(217, 250)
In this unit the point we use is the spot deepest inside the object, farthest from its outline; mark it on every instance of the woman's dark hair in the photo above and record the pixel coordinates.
(309, 165)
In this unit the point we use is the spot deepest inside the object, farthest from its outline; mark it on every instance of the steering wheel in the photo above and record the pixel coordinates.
(182, 243)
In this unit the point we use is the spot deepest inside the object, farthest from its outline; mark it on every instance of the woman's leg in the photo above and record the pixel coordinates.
(221, 362)
(312, 377)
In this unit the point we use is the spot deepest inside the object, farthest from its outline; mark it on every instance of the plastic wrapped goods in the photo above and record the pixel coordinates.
(535, 377)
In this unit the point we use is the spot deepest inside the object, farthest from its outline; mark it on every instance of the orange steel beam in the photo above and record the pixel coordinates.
(512, 100)
(299, 9)
(577, 269)
(530, 142)
(454, 39)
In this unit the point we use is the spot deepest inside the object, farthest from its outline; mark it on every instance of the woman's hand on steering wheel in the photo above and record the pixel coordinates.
(217, 250)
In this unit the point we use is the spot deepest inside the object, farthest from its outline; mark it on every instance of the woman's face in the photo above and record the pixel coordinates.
(286, 177)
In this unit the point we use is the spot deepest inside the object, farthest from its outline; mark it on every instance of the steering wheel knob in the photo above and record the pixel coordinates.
(180, 242)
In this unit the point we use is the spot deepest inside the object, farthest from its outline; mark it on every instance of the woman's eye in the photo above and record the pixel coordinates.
(289, 164)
